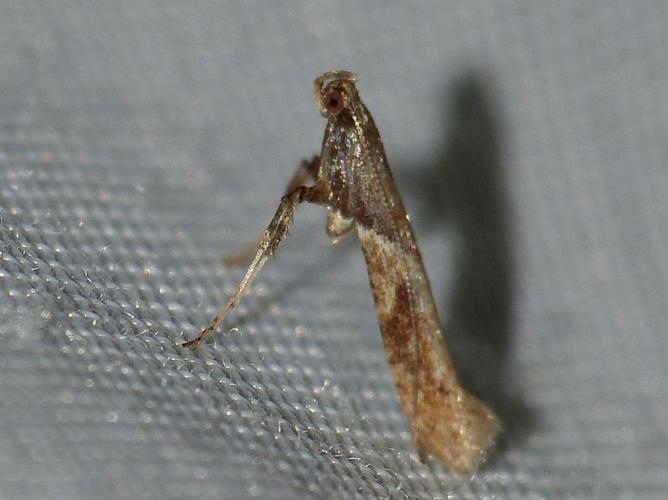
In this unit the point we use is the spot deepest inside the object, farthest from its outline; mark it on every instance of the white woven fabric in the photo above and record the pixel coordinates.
(141, 140)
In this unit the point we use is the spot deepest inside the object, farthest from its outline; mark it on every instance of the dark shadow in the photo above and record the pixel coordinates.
(465, 188)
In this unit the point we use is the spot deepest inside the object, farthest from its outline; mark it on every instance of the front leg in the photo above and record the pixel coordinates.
(307, 171)
(276, 231)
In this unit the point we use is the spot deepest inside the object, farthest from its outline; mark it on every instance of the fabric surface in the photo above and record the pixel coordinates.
(139, 141)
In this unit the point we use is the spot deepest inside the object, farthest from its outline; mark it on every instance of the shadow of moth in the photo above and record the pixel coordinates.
(352, 179)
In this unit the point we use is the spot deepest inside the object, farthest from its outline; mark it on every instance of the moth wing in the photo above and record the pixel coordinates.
(447, 421)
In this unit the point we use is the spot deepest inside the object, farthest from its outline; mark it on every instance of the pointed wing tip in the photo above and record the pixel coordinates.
(461, 435)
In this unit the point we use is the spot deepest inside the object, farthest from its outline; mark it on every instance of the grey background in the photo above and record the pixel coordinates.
(141, 140)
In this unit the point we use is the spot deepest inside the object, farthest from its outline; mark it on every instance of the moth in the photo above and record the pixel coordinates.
(351, 177)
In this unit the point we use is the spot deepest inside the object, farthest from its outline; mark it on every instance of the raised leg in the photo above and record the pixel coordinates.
(276, 231)
(307, 171)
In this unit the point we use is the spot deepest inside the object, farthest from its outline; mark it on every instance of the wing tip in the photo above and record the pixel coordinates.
(459, 430)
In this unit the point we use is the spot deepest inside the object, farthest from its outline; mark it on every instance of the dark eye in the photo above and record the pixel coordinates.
(334, 102)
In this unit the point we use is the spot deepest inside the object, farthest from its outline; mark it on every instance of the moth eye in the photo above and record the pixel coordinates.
(334, 102)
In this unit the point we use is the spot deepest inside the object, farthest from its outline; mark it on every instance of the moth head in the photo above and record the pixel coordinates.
(333, 91)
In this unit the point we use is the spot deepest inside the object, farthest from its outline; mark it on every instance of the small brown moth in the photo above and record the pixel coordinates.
(352, 179)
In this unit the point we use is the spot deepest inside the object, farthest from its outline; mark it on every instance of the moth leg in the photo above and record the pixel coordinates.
(307, 171)
(276, 231)
(338, 226)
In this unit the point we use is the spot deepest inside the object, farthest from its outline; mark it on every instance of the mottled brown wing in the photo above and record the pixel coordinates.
(446, 420)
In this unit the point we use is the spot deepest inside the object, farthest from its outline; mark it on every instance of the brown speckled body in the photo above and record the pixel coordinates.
(353, 180)
(446, 420)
